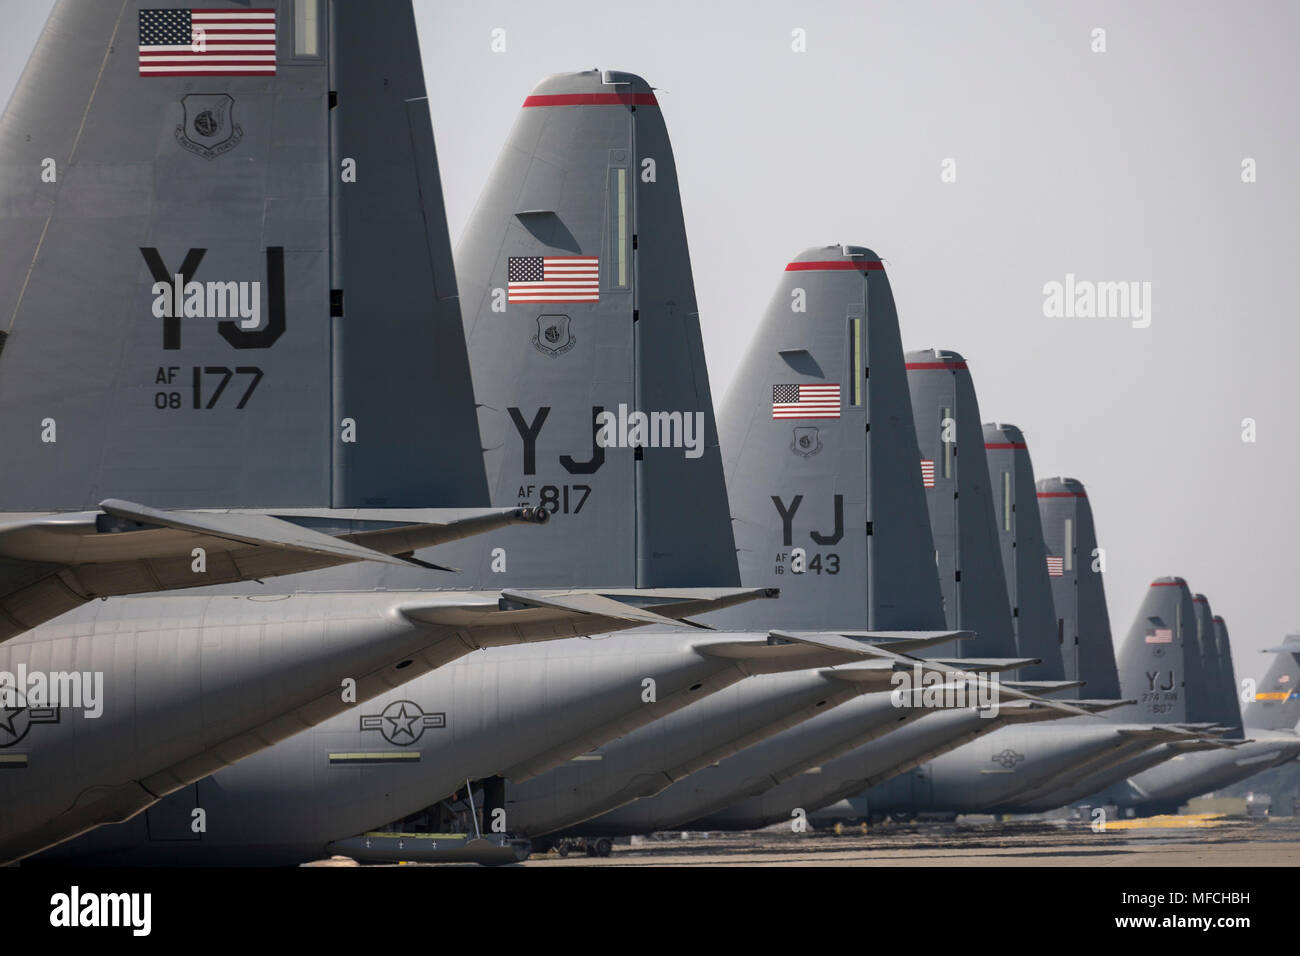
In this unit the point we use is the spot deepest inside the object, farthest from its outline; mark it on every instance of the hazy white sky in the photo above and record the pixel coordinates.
(1115, 166)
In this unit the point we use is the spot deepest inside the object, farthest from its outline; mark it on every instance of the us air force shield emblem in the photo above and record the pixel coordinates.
(209, 128)
(554, 337)
(807, 442)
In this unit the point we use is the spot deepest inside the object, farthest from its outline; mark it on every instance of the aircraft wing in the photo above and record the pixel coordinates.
(52, 563)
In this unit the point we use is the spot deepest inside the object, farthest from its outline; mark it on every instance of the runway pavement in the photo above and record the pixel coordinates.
(1195, 841)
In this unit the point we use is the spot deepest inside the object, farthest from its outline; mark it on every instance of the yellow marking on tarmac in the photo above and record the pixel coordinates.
(1170, 822)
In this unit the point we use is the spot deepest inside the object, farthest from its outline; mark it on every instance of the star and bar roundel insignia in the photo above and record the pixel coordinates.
(1008, 758)
(403, 722)
(17, 720)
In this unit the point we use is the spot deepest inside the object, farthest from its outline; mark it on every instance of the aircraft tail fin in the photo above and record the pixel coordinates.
(1152, 660)
(959, 497)
(820, 445)
(1227, 699)
(1277, 695)
(1200, 661)
(228, 285)
(1024, 555)
(1078, 593)
(584, 338)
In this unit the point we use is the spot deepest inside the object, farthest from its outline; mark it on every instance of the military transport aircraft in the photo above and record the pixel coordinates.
(1026, 771)
(849, 323)
(1266, 737)
(181, 399)
(362, 419)
(510, 714)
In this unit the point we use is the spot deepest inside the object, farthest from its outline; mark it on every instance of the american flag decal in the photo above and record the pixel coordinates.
(1161, 635)
(553, 279)
(228, 42)
(805, 401)
(927, 472)
(1055, 566)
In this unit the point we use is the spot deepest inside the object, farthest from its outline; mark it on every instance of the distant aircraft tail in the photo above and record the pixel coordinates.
(1200, 661)
(820, 455)
(1152, 660)
(226, 280)
(1024, 555)
(1277, 695)
(963, 525)
(1075, 564)
(1227, 695)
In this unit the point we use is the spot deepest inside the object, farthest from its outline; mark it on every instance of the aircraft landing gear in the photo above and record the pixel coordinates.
(602, 846)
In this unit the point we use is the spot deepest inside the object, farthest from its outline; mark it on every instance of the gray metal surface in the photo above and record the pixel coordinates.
(960, 500)
(1024, 555)
(869, 564)
(1152, 660)
(1078, 593)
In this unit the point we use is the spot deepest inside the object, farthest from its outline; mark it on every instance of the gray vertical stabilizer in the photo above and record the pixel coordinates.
(817, 429)
(194, 292)
(1152, 660)
(1078, 591)
(1020, 536)
(585, 345)
(956, 474)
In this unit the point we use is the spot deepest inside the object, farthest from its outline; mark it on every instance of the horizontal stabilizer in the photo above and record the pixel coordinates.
(259, 530)
(901, 661)
(1026, 711)
(993, 664)
(516, 617)
(1201, 743)
(769, 656)
(52, 563)
(1205, 729)
(631, 604)
(857, 642)
(589, 602)
(142, 533)
(1290, 646)
(868, 672)
(1098, 705)
(1153, 732)
(1043, 686)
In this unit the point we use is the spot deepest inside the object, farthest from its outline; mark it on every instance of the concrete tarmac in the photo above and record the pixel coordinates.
(1188, 841)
